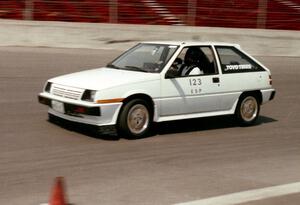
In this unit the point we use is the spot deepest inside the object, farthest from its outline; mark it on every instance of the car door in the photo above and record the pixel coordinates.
(191, 94)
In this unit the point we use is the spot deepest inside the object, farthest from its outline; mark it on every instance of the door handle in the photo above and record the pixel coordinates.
(216, 80)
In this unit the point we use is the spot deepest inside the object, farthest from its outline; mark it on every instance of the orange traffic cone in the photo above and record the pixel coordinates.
(58, 195)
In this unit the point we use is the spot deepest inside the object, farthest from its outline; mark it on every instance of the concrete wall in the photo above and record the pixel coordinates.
(112, 36)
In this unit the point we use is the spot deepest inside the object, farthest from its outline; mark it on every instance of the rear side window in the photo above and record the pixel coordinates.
(234, 61)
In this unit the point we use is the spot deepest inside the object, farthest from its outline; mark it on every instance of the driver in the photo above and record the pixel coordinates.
(191, 65)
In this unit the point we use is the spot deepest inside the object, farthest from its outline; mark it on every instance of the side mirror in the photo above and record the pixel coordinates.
(171, 73)
(178, 61)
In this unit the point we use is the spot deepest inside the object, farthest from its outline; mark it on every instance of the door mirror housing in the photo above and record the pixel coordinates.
(171, 73)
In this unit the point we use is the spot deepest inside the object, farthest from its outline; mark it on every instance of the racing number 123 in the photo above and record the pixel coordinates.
(194, 84)
(195, 81)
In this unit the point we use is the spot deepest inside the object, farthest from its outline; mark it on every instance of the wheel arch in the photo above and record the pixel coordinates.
(243, 121)
(142, 96)
(255, 93)
(122, 125)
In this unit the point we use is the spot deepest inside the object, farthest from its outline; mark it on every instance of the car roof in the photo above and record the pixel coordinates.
(193, 43)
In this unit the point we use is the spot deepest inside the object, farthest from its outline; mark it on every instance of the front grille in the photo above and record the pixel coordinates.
(66, 92)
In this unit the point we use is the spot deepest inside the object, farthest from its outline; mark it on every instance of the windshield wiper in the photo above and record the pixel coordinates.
(136, 68)
(112, 66)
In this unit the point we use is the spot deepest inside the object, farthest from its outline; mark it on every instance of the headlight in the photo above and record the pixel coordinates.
(48, 87)
(89, 95)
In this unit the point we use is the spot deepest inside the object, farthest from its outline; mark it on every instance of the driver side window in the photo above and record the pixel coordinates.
(194, 61)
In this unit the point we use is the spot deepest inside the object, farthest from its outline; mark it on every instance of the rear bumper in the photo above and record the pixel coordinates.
(272, 95)
(268, 95)
(82, 112)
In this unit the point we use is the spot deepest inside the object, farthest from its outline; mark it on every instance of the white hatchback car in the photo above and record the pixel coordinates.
(163, 81)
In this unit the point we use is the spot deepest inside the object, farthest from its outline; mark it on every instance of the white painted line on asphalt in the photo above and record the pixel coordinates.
(247, 196)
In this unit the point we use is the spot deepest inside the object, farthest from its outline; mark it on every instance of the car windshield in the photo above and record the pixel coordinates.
(144, 58)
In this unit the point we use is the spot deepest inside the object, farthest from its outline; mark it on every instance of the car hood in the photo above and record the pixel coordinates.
(102, 78)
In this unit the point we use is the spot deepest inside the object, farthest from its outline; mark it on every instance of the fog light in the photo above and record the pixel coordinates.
(80, 110)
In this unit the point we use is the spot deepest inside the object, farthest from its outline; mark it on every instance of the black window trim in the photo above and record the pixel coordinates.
(252, 60)
(215, 62)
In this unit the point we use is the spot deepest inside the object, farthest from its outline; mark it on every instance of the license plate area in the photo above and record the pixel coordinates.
(58, 106)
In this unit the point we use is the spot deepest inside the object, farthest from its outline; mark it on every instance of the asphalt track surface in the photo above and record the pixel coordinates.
(185, 161)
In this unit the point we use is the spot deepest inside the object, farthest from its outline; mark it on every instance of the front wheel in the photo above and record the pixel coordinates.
(135, 119)
(247, 110)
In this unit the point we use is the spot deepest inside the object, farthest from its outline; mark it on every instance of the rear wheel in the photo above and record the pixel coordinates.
(135, 119)
(247, 110)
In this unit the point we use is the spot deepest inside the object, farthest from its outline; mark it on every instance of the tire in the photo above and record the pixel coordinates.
(53, 119)
(247, 110)
(135, 119)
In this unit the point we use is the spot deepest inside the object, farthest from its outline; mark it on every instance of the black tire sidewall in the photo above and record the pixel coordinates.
(122, 126)
(238, 116)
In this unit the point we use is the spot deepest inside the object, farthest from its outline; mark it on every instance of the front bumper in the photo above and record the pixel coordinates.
(73, 110)
(82, 112)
